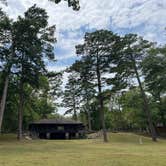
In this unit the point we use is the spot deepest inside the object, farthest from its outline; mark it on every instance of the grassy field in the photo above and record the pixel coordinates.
(123, 149)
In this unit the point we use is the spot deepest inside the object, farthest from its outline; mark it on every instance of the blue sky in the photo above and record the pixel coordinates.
(144, 17)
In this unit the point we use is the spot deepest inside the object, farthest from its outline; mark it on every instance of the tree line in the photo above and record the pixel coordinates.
(127, 69)
(117, 83)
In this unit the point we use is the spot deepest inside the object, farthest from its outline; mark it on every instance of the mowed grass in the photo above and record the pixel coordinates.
(123, 149)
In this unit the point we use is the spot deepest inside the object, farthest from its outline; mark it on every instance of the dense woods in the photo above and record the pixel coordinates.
(118, 83)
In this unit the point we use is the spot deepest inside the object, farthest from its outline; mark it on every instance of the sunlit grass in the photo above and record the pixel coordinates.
(123, 149)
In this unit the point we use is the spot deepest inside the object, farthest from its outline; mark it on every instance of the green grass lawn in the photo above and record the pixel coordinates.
(123, 149)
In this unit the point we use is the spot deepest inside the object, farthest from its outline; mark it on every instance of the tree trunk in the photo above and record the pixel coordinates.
(20, 112)
(146, 106)
(89, 121)
(88, 113)
(75, 115)
(162, 115)
(102, 119)
(3, 100)
(75, 111)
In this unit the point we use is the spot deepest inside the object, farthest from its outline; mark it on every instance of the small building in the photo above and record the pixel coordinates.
(57, 129)
(161, 130)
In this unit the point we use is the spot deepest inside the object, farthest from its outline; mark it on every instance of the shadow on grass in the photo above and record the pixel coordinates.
(8, 137)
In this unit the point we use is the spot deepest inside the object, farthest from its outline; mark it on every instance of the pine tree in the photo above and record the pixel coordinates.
(71, 95)
(87, 87)
(97, 49)
(128, 67)
(154, 69)
(33, 43)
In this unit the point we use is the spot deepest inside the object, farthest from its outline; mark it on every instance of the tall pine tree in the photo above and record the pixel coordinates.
(97, 49)
(33, 43)
(128, 67)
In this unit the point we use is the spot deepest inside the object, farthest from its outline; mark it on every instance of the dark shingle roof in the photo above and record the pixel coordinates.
(56, 121)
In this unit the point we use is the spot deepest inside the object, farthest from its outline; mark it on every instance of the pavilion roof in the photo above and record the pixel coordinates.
(56, 121)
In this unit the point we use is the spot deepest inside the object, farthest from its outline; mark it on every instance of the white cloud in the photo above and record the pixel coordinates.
(97, 13)
(56, 68)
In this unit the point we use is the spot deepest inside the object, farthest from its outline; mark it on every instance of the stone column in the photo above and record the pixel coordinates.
(67, 135)
(48, 135)
(77, 135)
